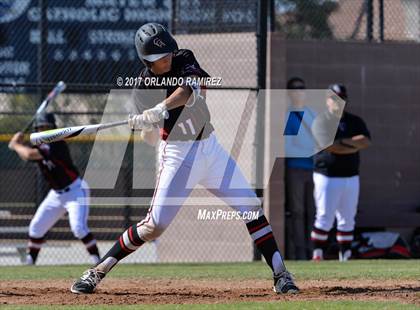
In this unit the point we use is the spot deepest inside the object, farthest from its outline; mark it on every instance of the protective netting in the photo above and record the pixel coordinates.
(112, 210)
(89, 44)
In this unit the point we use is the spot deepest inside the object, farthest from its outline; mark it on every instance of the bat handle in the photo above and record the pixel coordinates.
(115, 124)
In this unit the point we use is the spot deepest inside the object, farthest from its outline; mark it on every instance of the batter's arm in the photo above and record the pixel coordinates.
(178, 98)
(25, 152)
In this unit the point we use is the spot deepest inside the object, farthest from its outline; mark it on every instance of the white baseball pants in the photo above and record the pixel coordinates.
(55, 205)
(335, 198)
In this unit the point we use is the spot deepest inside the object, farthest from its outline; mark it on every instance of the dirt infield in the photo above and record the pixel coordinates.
(113, 291)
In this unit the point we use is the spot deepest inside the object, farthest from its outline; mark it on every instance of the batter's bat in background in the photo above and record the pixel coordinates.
(59, 134)
(58, 89)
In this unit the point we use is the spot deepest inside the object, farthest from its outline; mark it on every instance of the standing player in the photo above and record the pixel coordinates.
(298, 172)
(189, 154)
(67, 188)
(336, 175)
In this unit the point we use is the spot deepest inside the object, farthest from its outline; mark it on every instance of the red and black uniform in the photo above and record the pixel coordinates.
(190, 122)
(57, 165)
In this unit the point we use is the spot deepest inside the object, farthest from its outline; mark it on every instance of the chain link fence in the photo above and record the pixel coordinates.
(372, 20)
(92, 42)
(89, 44)
(22, 188)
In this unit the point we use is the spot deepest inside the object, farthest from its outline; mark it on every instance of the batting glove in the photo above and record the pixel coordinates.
(136, 122)
(154, 115)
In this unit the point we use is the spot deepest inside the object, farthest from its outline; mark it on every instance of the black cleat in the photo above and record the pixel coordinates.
(283, 284)
(87, 283)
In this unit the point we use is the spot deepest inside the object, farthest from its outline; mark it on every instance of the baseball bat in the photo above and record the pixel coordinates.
(58, 89)
(59, 134)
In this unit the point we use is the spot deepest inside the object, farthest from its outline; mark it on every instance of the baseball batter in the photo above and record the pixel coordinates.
(68, 193)
(189, 154)
(336, 176)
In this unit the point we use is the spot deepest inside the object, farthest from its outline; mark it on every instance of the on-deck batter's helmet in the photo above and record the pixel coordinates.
(45, 119)
(340, 90)
(154, 42)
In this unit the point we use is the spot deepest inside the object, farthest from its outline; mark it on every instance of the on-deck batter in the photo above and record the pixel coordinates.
(67, 188)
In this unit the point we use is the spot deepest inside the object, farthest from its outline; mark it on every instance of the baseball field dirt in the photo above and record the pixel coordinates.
(132, 292)
(382, 284)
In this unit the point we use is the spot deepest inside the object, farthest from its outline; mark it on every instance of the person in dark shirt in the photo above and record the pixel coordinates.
(68, 191)
(300, 207)
(336, 174)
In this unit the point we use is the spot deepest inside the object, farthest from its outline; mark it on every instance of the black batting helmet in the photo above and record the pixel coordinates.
(45, 119)
(154, 42)
(340, 90)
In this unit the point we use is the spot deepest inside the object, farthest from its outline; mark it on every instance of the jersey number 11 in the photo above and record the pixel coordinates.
(190, 125)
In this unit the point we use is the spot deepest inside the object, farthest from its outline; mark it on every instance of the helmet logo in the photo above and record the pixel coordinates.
(158, 42)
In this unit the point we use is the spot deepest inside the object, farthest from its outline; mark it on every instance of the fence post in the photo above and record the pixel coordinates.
(128, 180)
(43, 44)
(173, 17)
(42, 59)
(369, 20)
(381, 21)
(272, 16)
(261, 83)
